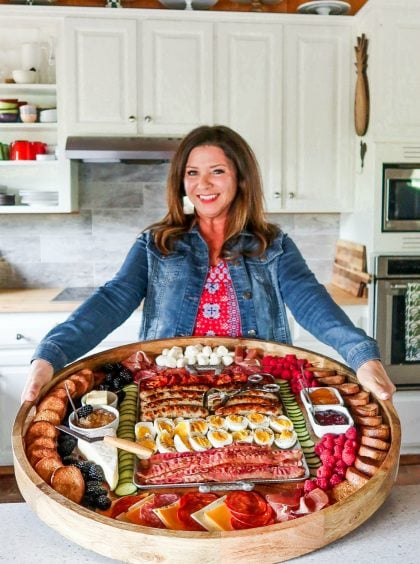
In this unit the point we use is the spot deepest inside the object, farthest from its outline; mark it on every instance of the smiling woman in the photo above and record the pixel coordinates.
(223, 270)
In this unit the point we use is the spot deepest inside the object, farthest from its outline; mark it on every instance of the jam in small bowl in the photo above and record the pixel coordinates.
(102, 419)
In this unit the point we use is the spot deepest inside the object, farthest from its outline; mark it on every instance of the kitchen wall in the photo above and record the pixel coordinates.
(117, 201)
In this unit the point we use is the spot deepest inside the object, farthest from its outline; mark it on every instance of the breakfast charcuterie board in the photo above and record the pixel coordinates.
(247, 459)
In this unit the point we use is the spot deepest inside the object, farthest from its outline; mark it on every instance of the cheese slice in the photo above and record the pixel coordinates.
(215, 516)
(103, 454)
(169, 516)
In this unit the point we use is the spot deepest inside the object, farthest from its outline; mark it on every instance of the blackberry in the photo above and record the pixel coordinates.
(70, 461)
(95, 491)
(103, 387)
(66, 446)
(109, 377)
(85, 410)
(126, 375)
(108, 367)
(89, 501)
(103, 502)
(84, 466)
(95, 472)
(117, 383)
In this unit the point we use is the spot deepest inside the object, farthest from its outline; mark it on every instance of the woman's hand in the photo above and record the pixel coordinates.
(373, 377)
(41, 373)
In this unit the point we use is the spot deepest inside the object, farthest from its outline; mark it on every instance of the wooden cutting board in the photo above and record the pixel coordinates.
(349, 269)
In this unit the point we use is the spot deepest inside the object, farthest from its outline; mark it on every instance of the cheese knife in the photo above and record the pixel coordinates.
(130, 446)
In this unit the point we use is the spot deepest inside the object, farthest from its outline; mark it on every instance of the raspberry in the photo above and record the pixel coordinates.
(340, 471)
(351, 433)
(328, 437)
(348, 457)
(327, 458)
(319, 449)
(338, 451)
(340, 440)
(322, 483)
(309, 485)
(350, 445)
(340, 464)
(323, 472)
(329, 444)
(286, 374)
(335, 480)
(313, 383)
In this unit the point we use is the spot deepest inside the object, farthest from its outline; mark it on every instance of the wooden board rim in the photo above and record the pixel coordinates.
(275, 543)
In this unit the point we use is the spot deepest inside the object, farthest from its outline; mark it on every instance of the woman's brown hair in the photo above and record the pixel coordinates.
(247, 209)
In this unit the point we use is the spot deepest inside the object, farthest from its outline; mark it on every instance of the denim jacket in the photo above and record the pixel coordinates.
(171, 287)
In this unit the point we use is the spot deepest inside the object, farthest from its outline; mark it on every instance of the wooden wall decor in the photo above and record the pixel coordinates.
(361, 99)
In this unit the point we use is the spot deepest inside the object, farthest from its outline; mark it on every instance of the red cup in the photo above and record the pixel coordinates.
(38, 148)
(21, 151)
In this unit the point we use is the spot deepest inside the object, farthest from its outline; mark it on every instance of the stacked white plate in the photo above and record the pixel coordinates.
(38, 198)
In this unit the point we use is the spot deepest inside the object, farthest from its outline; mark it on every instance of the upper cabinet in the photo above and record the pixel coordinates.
(318, 119)
(176, 80)
(396, 98)
(101, 76)
(249, 94)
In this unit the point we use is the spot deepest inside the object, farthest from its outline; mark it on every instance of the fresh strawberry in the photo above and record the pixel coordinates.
(335, 480)
(348, 457)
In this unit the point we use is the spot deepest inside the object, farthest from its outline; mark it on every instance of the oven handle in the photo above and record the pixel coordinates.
(398, 286)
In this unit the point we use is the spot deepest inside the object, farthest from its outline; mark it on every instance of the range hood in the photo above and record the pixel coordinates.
(121, 149)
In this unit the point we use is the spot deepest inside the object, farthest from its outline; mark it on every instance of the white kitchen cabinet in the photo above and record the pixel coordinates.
(176, 76)
(396, 101)
(57, 176)
(302, 338)
(101, 76)
(318, 119)
(19, 335)
(248, 93)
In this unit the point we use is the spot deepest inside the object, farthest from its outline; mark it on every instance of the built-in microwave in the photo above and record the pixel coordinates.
(401, 197)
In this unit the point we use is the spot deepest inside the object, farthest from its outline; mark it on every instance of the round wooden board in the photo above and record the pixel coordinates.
(136, 544)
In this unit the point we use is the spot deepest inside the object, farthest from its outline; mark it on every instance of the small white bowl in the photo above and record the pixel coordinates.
(321, 430)
(48, 116)
(111, 397)
(97, 431)
(332, 390)
(24, 76)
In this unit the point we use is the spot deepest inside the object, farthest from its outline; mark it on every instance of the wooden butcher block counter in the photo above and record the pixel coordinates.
(269, 544)
(38, 300)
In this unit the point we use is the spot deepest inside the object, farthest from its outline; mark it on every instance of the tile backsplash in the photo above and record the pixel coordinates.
(117, 201)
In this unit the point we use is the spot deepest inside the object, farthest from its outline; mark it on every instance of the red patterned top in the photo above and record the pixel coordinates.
(218, 311)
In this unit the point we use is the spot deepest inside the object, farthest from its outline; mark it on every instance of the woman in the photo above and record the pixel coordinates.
(222, 269)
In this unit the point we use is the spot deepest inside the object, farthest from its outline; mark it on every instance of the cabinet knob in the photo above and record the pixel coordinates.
(147, 119)
(291, 195)
(20, 337)
(276, 195)
(131, 119)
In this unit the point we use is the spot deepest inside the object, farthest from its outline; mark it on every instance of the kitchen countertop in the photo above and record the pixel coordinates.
(39, 300)
(389, 536)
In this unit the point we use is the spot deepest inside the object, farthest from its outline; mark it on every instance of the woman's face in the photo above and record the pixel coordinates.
(210, 181)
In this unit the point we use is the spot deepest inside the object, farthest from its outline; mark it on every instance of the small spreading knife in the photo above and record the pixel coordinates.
(123, 444)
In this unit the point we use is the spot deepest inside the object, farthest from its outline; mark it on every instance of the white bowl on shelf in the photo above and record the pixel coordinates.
(24, 76)
(48, 116)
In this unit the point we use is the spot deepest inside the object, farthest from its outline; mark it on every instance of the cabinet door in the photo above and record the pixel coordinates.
(249, 94)
(397, 80)
(318, 118)
(12, 381)
(177, 81)
(101, 77)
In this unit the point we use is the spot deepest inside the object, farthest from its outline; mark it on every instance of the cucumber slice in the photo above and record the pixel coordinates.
(127, 488)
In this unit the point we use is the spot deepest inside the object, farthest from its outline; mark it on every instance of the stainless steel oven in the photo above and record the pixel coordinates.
(401, 198)
(394, 277)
